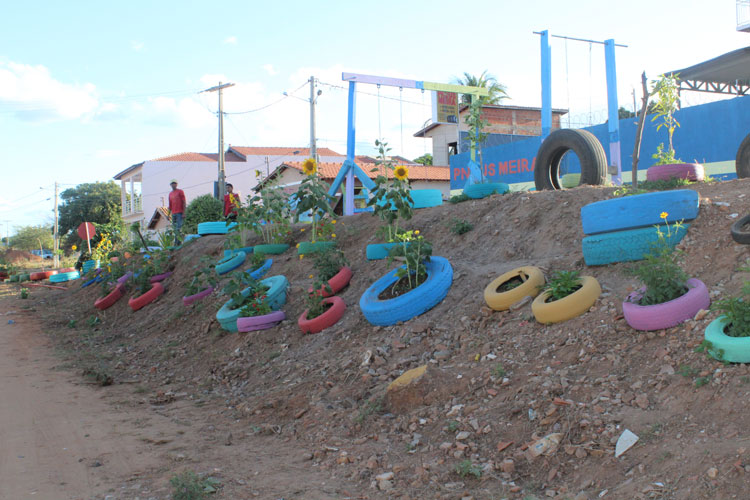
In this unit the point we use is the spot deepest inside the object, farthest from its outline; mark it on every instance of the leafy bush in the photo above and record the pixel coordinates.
(204, 208)
(459, 198)
(328, 263)
(190, 486)
(460, 226)
(737, 311)
(562, 284)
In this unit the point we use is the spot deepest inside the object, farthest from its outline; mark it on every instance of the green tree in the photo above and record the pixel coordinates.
(497, 90)
(204, 208)
(28, 238)
(623, 113)
(425, 159)
(97, 202)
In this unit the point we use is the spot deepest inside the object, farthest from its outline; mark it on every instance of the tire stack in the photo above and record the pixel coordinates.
(625, 229)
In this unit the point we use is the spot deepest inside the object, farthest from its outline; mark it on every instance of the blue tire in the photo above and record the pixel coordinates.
(641, 210)
(426, 198)
(230, 263)
(379, 251)
(628, 245)
(89, 265)
(189, 237)
(411, 304)
(477, 191)
(275, 297)
(63, 277)
(258, 273)
(97, 279)
(247, 250)
(218, 227)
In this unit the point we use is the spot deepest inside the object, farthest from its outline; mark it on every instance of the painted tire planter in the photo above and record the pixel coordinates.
(41, 275)
(570, 180)
(689, 171)
(247, 250)
(625, 246)
(125, 277)
(275, 298)
(411, 304)
(306, 247)
(96, 279)
(337, 282)
(724, 347)
(271, 248)
(108, 300)
(190, 237)
(191, 299)
(13, 278)
(379, 251)
(426, 198)
(62, 277)
(532, 278)
(230, 263)
(258, 273)
(478, 191)
(145, 299)
(67, 270)
(89, 265)
(264, 322)
(668, 314)
(24, 277)
(568, 307)
(641, 210)
(741, 230)
(330, 317)
(218, 227)
(160, 277)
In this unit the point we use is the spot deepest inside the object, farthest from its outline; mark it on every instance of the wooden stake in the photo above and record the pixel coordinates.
(639, 133)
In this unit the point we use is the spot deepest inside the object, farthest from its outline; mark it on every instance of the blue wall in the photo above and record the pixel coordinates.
(707, 133)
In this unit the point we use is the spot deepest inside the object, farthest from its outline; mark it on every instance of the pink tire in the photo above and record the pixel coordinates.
(161, 277)
(254, 323)
(190, 299)
(689, 171)
(668, 314)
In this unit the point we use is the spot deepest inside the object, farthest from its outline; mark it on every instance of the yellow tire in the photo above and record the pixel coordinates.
(532, 278)
(568, 307)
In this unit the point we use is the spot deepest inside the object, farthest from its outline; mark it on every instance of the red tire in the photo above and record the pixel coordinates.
(689, 171)
(66, 270)
(142, 300)
(37, 276)
(103, 303)
(47, 274)
(668, 314)
(329, 318)
(337, 283)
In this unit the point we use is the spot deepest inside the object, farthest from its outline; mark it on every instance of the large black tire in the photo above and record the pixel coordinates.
(742, 164)
(741, 230)
(584, 144)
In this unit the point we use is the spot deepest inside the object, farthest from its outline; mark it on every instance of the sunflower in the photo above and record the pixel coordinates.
(401, 173)
(310, 166)
(74, 248)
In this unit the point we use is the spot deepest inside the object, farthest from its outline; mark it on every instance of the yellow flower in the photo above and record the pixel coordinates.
(74, 248)
(309, 166)
(297, 245)
(333, 235)
(401, 173)
(300, 257)
(664, 215)
(311, 276)
(302, 230)
(416, 232)
(333, 221)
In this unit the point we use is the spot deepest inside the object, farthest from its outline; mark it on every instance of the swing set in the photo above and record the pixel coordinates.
(350, 170)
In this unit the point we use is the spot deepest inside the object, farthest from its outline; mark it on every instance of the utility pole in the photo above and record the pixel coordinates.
(55, 257)
(222, 174)
(313, 146)
(7, 234)
(268, 168)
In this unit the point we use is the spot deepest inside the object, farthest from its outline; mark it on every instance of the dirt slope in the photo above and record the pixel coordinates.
(588, 378)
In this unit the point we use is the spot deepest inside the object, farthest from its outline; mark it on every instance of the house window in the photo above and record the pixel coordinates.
(452, 148)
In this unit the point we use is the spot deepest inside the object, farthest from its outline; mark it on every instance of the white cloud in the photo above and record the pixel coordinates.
(33, 95)
(183, 112)
(270, 69)
(137, 46)
(231, 40)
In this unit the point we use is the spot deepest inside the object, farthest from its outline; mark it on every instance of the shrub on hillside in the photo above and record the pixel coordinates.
(204, 208)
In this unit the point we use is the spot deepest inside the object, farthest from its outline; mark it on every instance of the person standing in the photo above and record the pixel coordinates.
(177, 208)
(231, 203)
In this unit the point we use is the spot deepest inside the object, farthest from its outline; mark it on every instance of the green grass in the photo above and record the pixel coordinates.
(498, 371)
(190, 486)
(460, 226)
(372, 406)
(466, 468)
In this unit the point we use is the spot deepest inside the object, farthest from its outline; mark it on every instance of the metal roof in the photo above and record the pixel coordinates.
(727, 74)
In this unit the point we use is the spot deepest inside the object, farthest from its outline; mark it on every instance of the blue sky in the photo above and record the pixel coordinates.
(89, 88)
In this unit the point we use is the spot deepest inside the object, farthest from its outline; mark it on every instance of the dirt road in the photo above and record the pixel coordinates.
(59, 439)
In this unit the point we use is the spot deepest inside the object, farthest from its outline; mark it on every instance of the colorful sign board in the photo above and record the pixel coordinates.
(444, 107)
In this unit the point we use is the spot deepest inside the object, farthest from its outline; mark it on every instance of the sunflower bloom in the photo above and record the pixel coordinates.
(333, 235)
(401, 173)
(416, 232)
(309, 166)
(664, 215)
(74, 248)
(333, 221)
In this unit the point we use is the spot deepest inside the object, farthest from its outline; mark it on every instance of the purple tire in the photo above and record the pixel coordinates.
(260, 322)
(125, 277)
(198, 296)
(668, 314)
(161, 277)
(689, 171)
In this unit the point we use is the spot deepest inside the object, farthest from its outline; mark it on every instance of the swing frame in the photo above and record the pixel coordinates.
(350, 170)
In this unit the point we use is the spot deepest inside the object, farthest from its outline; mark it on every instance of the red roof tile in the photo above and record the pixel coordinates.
(329, 171)
(280, 151)
(199, 157)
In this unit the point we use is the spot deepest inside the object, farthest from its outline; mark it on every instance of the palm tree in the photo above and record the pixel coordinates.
(497, 90)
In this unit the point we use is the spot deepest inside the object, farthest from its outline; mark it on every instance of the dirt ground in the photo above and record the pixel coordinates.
(306, 414)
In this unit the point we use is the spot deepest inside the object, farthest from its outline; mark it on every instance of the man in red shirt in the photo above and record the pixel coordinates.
(177, 208)
(231, 203)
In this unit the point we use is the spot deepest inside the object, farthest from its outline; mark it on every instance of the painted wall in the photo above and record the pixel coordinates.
(708, 133)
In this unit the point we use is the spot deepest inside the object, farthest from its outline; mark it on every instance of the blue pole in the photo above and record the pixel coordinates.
(612, 107)
(546, 85)
(350, 151)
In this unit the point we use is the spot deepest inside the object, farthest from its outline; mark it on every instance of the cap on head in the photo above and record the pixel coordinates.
(173, 181)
